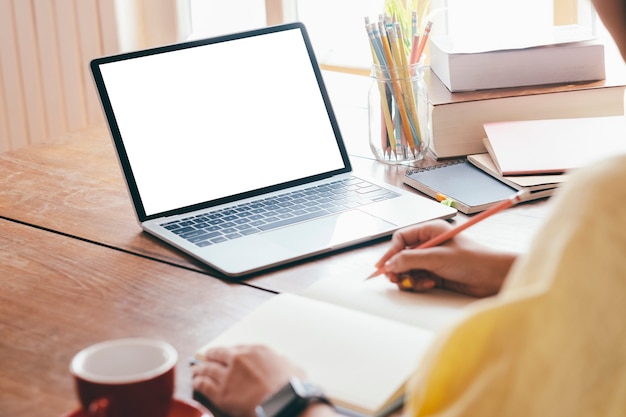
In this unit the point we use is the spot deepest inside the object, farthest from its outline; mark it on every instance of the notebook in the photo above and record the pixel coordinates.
(520, 182)
(221, 130)
(468, 188)
(553, 146)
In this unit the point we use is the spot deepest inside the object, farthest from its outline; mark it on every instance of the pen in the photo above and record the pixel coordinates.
(444, 237)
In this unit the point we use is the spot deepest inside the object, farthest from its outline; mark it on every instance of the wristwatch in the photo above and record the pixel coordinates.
(291, 399)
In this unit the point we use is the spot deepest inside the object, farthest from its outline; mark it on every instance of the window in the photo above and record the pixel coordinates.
(337, 31)
(336, 27)
(215, 17)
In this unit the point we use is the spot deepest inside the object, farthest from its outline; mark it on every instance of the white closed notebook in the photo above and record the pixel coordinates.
(222, 142)
(553, 146)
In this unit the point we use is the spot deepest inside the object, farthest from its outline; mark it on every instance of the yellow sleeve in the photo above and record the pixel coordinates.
(553, 342)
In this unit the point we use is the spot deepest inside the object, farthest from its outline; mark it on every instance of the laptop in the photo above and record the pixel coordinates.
(225, 143)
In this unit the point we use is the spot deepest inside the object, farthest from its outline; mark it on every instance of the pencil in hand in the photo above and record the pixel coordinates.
(444, 237)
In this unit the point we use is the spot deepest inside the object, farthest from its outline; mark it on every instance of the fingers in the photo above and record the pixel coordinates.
(221, 355)
(208, 378)
(411, 236)
(397, 245)
(205, 386)
(209, 375)
(432, 260)
(418, 281)
(236, 379)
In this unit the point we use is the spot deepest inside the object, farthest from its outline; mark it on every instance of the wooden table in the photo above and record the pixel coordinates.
(75, 187)
(76, 268)
(58, 295)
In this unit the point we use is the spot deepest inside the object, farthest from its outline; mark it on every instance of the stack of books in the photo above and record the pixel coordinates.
(538, 155)
(532, 155)
(562, 72)
(457, 118)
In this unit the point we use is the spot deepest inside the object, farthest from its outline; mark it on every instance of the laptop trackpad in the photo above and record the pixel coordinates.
(330, 232)
(295, 242)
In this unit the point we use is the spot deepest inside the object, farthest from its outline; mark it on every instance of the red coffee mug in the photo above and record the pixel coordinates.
(131, 377)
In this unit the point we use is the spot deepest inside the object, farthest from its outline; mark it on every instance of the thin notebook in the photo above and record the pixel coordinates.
(232, 153)
(553, 146)
(469, 188)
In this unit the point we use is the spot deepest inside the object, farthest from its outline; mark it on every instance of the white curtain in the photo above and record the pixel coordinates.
(148, 23)
(46, 88)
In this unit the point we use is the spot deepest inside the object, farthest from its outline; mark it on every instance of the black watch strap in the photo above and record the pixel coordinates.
(291, 399)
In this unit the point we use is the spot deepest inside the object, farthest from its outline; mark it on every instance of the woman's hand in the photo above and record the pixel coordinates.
(459, 264)
(237, 379)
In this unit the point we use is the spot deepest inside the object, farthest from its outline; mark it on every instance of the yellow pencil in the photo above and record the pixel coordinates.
(378, 68)
(409, 94)
(397, 89)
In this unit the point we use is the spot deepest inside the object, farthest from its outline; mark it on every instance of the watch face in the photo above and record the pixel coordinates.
(280, 401)
(305, 389)
(290, 399)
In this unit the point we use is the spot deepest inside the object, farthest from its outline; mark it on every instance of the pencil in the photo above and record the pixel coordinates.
(395, 83)
(424, 39)
(408, 93)
(444, 237)
(414, 46)
(379, 65)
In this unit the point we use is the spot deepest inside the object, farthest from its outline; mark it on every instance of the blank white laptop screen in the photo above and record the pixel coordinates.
(232, 110)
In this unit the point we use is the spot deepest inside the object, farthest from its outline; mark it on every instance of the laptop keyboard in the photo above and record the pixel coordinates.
(277, 211)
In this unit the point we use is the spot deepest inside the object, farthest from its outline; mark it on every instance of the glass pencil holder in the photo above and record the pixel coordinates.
(398, 114)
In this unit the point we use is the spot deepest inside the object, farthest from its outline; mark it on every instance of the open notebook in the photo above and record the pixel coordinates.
(223, 141)
(359, 340)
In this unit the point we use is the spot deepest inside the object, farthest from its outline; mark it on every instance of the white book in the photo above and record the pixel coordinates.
(346, 335)
(553, 146)
(538, 65)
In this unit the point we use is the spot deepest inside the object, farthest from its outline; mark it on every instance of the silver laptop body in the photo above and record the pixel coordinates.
(224, 144)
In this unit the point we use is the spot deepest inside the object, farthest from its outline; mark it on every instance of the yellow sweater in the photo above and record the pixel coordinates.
(553, 342)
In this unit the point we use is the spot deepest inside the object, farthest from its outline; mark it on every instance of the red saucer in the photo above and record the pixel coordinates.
(180, 408)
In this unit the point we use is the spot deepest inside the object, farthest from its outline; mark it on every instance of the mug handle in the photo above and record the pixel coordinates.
(98, 408)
